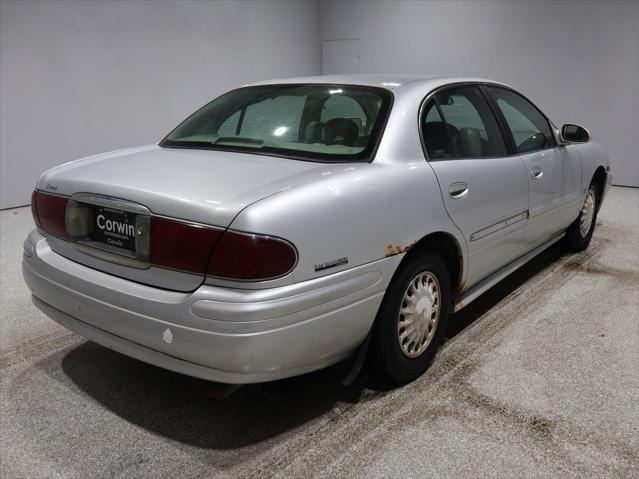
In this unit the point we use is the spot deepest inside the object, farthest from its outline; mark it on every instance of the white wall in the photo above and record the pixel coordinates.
(579, 61)
(78, 78)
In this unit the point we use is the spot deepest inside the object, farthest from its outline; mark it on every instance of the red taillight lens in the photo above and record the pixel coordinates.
(191, 247)
(34, 209)
(183, 246)
(251, 257)
(48, 213)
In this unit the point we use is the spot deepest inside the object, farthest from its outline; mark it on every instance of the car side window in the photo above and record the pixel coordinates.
(529, 127)
(437, 139)
(469, 123)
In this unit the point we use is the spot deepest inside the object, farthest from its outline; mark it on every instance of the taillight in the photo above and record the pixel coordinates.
(48, 213)
(34, 209)
(190, 247)
(251, 257)
(183, 246)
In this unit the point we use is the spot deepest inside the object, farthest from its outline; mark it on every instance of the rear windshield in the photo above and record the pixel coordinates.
(310, 122)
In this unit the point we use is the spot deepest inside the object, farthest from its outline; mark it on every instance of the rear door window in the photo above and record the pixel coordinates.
(464, 116)
(436, 138)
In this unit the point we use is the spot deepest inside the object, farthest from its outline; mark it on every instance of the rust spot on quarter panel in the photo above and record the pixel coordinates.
(456, 290)
(395, 249)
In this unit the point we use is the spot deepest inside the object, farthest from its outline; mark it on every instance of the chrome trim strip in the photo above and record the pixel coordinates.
(500, 225)
(191, 223)
(111, 202)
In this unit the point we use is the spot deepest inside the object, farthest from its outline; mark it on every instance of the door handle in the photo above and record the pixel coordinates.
(458, 191)
(536, 173)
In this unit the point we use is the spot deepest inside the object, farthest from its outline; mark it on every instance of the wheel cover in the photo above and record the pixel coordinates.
(418, 314)
(587, 213)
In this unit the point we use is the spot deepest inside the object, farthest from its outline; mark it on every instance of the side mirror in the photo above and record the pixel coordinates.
(574, 134)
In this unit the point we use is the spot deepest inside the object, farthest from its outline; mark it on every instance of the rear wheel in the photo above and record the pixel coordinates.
(580, 232)
(412, 318)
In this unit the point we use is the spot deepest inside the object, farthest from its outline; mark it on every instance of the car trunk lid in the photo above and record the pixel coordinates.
(208, 188)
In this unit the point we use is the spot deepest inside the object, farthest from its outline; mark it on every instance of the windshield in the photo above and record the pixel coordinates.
(311, 122)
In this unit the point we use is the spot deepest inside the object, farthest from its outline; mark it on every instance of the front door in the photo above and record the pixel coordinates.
(554, 174)
(485, 190)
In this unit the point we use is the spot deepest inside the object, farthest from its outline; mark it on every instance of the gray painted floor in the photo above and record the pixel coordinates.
(539, 378)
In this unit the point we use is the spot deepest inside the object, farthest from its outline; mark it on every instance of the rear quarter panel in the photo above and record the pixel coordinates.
(360, 212)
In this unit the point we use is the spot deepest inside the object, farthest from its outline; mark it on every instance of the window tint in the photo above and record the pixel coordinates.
(340, 106)
(468, 121)
(315, 122)
(437, 140)
(279, 116)
(229, 127)
(529, 127)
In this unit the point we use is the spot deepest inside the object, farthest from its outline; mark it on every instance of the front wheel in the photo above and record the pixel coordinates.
(580, 232)
(412, 318)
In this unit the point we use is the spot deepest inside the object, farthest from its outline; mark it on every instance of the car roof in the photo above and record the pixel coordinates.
(388, 81)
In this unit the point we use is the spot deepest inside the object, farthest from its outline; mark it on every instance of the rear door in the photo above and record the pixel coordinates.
(554, 177)
(484, 188)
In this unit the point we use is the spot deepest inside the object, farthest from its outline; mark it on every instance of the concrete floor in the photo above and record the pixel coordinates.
(539, 378)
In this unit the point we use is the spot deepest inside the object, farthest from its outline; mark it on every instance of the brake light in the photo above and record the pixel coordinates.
(48, 213)
(190, 247)
(34, 209)
(251, 257)
(183, 246)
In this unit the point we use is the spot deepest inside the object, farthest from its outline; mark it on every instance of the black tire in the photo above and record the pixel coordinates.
(391, 363)
(576, 240)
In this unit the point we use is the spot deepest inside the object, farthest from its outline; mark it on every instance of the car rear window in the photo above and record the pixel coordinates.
(333, 123)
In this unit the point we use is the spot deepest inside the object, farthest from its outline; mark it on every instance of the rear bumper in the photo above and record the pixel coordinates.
(219, 334)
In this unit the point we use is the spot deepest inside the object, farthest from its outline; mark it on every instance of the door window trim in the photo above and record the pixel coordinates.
(511, 149)
(484, 88)
(431, 96)
(509, 139)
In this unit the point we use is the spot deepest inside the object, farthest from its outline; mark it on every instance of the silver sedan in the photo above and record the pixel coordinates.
(288, 225)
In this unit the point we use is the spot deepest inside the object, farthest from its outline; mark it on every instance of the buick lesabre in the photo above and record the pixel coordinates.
(289, 225)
